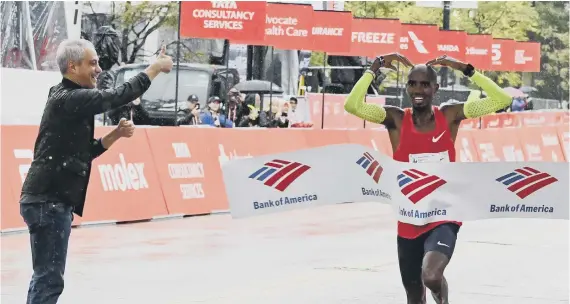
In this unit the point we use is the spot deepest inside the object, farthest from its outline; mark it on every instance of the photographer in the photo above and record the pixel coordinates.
(191, 114)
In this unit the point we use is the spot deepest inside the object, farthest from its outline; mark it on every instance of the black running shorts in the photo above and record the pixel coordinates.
(411, 251)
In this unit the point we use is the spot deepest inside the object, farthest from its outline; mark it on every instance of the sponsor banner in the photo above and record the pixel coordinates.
(183, 163)
(334, 114)
(287, 26)
(17, 155)
(141, 177)
(541, 144)
(498, 145)
(417, 42)
(503, 55)
(564, 136)
(465, 150)
(478, 51)
(527, 57)
(124, 185)
(470, 123)
(331, 31)
(452, 43)
(374, 37)
(419, 193)
(233, 20)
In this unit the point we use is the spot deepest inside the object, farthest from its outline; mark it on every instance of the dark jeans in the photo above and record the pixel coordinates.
(49, 224)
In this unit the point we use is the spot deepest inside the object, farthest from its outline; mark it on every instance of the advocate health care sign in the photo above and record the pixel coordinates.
(243, 20)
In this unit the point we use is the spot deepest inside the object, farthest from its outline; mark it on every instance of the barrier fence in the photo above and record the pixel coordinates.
(169, 171)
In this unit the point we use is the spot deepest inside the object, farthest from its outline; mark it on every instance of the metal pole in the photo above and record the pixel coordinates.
(177, 64)
(323, 90)
(446, 14)
(272, 77)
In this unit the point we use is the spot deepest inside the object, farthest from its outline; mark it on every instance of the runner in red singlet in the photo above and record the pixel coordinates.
(425, 133)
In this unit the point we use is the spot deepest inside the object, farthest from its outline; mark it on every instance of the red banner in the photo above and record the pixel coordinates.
(287, 26)
(331, 31)
(452, 43)
(527, 56)
(373, 37)
(478, 51)
(417, 42)
(503, 55)
(239, 20)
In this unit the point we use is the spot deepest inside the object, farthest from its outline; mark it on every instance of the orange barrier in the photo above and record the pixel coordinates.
(336, 118)
(176, 170)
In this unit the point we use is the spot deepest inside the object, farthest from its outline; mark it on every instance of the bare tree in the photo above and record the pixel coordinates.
(135, 22)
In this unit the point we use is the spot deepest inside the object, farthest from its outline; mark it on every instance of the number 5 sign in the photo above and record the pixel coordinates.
(502, 55)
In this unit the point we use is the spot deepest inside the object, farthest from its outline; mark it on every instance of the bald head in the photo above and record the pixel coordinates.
(425, 69)
(422, 86)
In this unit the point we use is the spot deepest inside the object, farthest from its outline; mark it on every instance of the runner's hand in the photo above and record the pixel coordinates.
(448, 62)
(389, 60)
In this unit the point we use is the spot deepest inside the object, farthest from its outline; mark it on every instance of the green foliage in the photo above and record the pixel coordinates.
(552, 33)
(136, 21)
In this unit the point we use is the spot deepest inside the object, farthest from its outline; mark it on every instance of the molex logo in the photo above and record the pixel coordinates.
(123, 176)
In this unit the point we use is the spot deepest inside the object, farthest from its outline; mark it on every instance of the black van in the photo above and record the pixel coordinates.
(158, 103)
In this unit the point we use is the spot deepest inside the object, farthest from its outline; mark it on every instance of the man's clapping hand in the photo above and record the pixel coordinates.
(126, 128)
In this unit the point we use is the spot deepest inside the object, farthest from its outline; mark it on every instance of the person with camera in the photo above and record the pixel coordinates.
(191, 114)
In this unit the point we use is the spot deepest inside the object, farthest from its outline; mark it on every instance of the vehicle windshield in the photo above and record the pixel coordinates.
(164, 85)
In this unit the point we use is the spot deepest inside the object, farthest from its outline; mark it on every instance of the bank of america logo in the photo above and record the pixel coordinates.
(416, 185)
(371, 166)
(525, 181)
(279, 174)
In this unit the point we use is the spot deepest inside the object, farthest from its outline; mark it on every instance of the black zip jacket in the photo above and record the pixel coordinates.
(65, 145)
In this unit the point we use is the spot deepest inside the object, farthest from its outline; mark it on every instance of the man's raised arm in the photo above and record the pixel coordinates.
(355, 104)
(90, 102)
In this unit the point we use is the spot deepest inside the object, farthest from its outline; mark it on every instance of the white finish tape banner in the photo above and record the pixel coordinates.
(420, 193)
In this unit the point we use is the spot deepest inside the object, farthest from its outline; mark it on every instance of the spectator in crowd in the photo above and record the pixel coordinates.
(518, 104)
(294, 114)
(212, 116)
(191, 114)
(234, 109)
(273, 117)
(251, 115)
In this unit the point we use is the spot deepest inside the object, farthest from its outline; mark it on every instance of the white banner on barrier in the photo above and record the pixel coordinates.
(420, 193)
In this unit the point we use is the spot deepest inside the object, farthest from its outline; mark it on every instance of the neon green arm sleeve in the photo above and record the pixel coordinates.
(356, 106)
(496, 99)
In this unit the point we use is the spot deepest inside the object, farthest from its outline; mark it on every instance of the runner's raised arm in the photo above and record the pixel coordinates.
(496, 99)
(355, 104)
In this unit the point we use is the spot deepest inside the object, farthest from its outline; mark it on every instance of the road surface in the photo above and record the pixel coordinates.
(332, 254)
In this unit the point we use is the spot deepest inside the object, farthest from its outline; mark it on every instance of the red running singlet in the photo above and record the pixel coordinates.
(434, 146)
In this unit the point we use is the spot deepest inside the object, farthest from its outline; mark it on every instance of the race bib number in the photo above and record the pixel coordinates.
(440, 157)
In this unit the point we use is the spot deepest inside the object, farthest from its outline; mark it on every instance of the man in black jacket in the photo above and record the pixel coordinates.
(57, 180)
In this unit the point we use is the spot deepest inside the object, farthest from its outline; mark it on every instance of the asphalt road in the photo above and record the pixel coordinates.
(332, 254)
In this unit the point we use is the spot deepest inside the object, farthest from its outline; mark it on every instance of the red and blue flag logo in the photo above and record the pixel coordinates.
(525, 181)
(279, 174)
(416, 185)
(372, 167)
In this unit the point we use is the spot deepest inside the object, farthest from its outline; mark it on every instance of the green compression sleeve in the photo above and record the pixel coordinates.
(356, 106)
(496, 99)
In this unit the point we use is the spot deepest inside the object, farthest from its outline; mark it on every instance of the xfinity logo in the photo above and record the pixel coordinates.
(475, 51)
